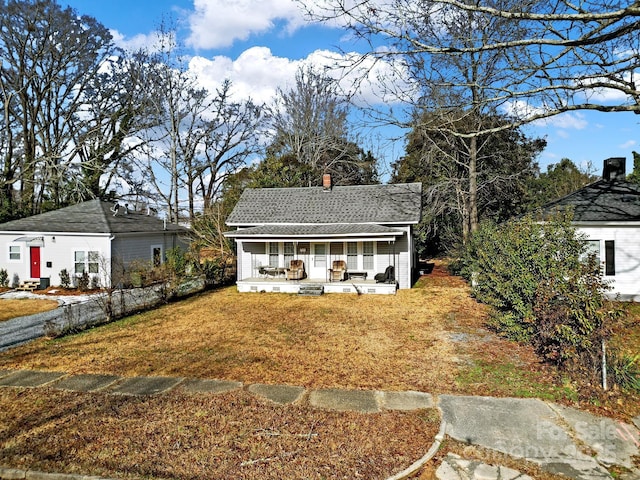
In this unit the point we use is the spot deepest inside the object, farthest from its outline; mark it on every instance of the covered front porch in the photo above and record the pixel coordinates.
(279, 284)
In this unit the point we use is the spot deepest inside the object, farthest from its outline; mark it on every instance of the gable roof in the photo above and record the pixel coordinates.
(93, 216)
(360, 204)
(602, 201)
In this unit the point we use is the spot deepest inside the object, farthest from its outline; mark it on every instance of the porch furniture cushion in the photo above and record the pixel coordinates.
(387, 277)
(337, 273)
(295, 270)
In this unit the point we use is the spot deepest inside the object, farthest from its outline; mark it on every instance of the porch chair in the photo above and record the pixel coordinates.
(336, 274)
(295, 270)
(387, 277)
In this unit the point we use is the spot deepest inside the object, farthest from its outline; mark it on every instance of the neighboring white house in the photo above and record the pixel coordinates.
(95, 237)
(368, 227)
(608, 213)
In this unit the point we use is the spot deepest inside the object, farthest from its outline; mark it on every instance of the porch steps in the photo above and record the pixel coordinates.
(311, 289)
(29, 285)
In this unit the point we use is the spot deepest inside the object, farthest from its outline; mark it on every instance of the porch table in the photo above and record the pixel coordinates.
(362, 275)
(272, 271)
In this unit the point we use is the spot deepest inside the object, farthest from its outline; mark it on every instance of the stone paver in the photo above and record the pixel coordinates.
(405, 400)
(615, 442)
(196, 385)
(277, 393)
(145, 385)
(29, 378)
(85, 382)
(454, 467)
(636, 421)
(522, 428)
(343, 400)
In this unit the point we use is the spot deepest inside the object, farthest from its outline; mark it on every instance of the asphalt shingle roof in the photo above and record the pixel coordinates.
(314, 230)
(602, 201)
(397, 203)
(93, 216)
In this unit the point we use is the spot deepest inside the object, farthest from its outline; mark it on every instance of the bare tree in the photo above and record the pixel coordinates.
(564, 54)
(468, 61)
(310, 124)
(199, 136)
(49, 55)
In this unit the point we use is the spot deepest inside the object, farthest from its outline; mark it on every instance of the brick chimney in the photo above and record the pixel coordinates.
(326, 182)
(614, 169)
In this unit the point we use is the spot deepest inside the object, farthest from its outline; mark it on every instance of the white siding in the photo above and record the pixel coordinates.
(626, 280)
(56, 254)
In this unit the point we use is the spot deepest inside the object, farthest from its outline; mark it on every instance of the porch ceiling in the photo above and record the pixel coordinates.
(308, 232)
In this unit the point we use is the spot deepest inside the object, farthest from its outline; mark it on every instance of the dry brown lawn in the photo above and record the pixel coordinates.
(431, 338)
(380, 342)
(12, 308)
(176, 435)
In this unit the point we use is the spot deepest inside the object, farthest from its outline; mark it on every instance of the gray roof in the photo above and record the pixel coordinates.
(93, 216)
(356, 229)
(381, 204)
(602, 201)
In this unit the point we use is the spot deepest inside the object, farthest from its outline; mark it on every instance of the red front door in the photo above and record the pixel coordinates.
(35, 262)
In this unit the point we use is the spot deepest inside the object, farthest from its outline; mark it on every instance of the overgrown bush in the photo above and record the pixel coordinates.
(214, 271)
(4, 278)
(544, 288)
(65, 278)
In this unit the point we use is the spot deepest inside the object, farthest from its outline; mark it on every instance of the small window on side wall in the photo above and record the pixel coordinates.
(609, 257)
(156, 255)
(15, 254)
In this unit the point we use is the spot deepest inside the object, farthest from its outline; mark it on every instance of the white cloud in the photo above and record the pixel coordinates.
(140, 41)
(257, 73)
(567, 121)
(218, 23)
(628, 144)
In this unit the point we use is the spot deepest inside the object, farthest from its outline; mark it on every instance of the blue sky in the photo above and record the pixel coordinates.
(259, 45)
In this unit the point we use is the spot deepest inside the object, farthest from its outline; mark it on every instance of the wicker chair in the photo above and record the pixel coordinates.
(336, 274)
(295, 270)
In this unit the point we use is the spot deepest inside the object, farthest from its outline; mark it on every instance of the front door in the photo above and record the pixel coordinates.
(318, 269)
(35, 261)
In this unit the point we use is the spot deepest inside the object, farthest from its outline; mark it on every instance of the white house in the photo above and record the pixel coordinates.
(608, 213)
(342, 236)
(95, 237)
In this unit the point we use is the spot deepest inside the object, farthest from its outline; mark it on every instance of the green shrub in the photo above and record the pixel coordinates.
(15, 281)
(4, 278)
(544, 289)
(625, 370)
(65, 279)
(83, 282)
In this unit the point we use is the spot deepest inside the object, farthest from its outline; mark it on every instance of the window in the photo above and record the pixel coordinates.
(93, 262)
(609, 257)
(15, 253)
(156, 255)
(86, 261)
(592, 248)
(367, 255)
(288, 253)
(352, 256)
(273, 254)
